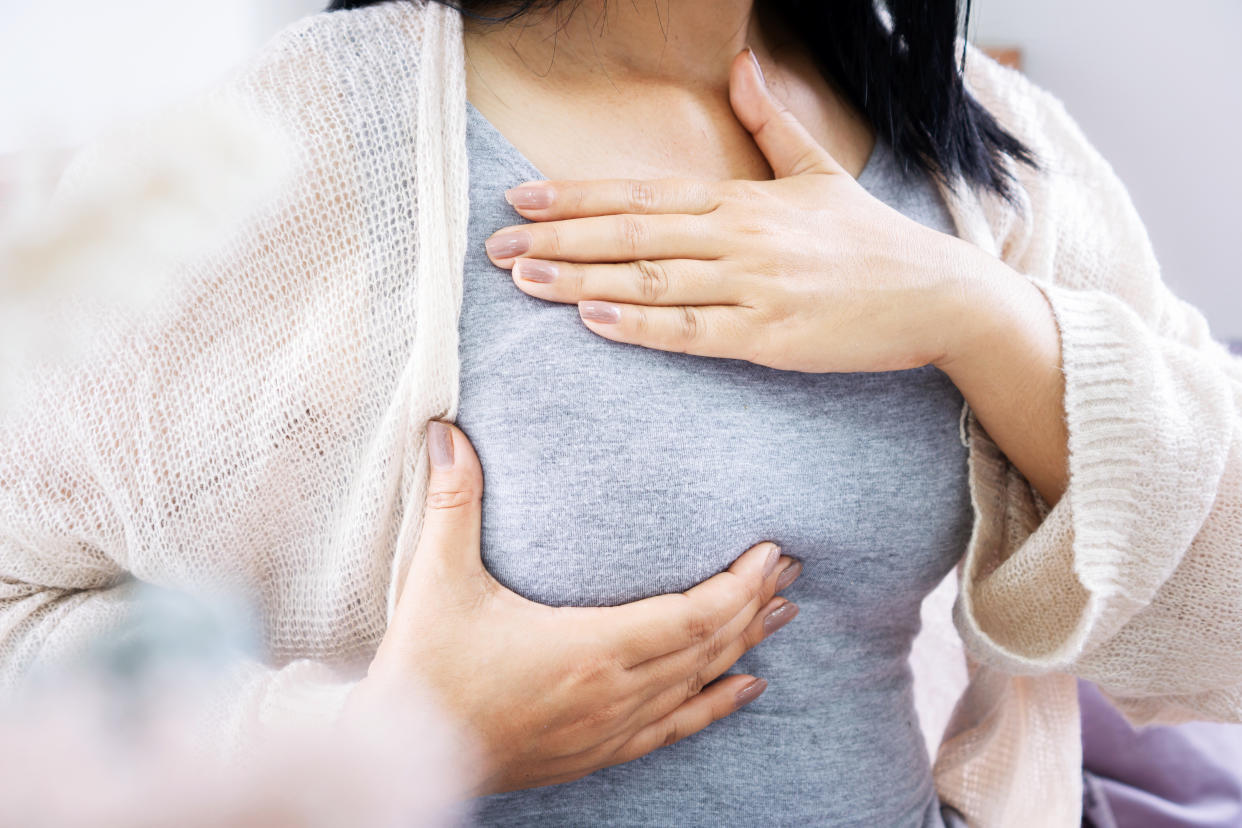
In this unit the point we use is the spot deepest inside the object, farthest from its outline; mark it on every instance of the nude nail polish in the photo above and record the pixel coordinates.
(779, 617)
(508, 245)
(789, 575)
(770, 562)
(440, 444)
(536, 270)
(530, 197)
(758, 68)
(750, 692)
(600, 312)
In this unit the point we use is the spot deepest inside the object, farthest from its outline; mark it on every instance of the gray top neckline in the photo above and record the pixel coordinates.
(878, 151)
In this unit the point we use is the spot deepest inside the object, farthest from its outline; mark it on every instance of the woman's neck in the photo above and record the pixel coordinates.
(639, 88)
(577, 46)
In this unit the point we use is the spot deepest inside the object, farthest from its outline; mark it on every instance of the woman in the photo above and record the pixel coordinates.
(359, 308)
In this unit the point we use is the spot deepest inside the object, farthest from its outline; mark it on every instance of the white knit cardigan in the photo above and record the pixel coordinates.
(264, 430)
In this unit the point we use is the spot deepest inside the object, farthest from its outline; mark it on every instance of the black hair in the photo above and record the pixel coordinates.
(895, 60)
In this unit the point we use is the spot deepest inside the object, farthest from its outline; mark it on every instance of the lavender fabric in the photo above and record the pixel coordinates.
(1158, 777)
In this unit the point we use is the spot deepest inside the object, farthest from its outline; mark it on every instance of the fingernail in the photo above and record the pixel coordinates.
(535, 270)
(508, 245)
(758, 68)
(789, 575)
(599, 312)
(530, 196)
(750, 692)
(770, 562)
(440, 444)
(779, 617)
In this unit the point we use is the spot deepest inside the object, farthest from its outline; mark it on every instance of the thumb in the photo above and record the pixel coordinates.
(448, 545)
(789, 148)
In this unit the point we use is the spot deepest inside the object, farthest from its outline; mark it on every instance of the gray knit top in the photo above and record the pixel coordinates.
(614, 472)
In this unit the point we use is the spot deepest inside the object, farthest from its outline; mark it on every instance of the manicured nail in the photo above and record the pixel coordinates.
(599, 312)
(440, 444)
(508, 245)
(770, 562)
(531, 196)
(535, 270)
(789, 575)
(750, 692)
(758, 68)
(779, 617)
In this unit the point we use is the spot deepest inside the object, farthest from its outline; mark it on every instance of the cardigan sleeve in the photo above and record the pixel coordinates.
(123, 467)
(230, 433)
(108, 479)
(1134, 579)
(45, 628)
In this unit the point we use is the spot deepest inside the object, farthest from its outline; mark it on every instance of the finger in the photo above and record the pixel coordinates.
(644, 282)
(549, 200)
(729, 331)
(621, 238)
(714, 703)
(694, 665)
(774, 616)
(788, 575)
(787, 145)
(673, 678)
(448, 546)
(667, 623)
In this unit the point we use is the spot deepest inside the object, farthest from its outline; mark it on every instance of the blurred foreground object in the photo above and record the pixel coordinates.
(160, 191)
(124, 740)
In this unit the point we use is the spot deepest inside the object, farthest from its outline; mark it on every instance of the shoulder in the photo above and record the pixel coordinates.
(362, 30)
(1075, 223)
(1035, 115)
(342, 54)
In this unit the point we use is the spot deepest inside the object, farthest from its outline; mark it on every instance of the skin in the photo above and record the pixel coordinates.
(550, 694)
(796, 267)
(763, 248)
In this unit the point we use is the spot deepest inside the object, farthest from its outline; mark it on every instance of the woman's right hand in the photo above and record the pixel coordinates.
(552, 694)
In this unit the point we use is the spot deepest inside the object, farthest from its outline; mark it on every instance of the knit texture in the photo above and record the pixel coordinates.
(260, 430)
(263, 430)
(1134, 579)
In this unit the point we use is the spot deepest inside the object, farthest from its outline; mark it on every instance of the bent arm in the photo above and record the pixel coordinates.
(102, 496)
(1133, 579)
(44, 628)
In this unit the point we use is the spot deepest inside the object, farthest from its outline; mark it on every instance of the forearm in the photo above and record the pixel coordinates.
(1136, 590)
(1004, 356)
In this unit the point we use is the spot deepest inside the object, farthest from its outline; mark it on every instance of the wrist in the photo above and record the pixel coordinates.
(1004, 356)
(978, 311)
(381, 707)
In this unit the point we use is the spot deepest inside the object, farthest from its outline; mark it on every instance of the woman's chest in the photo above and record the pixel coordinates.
(613, 472)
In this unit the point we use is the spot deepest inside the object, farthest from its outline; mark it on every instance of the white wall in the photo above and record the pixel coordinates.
(270, 15)
(1157, 87)
(69, 69)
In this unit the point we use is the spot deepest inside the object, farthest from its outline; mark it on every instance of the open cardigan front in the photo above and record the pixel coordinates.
(266, 429)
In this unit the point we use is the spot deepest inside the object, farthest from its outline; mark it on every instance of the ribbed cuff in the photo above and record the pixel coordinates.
(1041, 586)
(1107, 363)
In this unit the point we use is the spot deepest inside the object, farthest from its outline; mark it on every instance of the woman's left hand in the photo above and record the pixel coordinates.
(806, 272)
